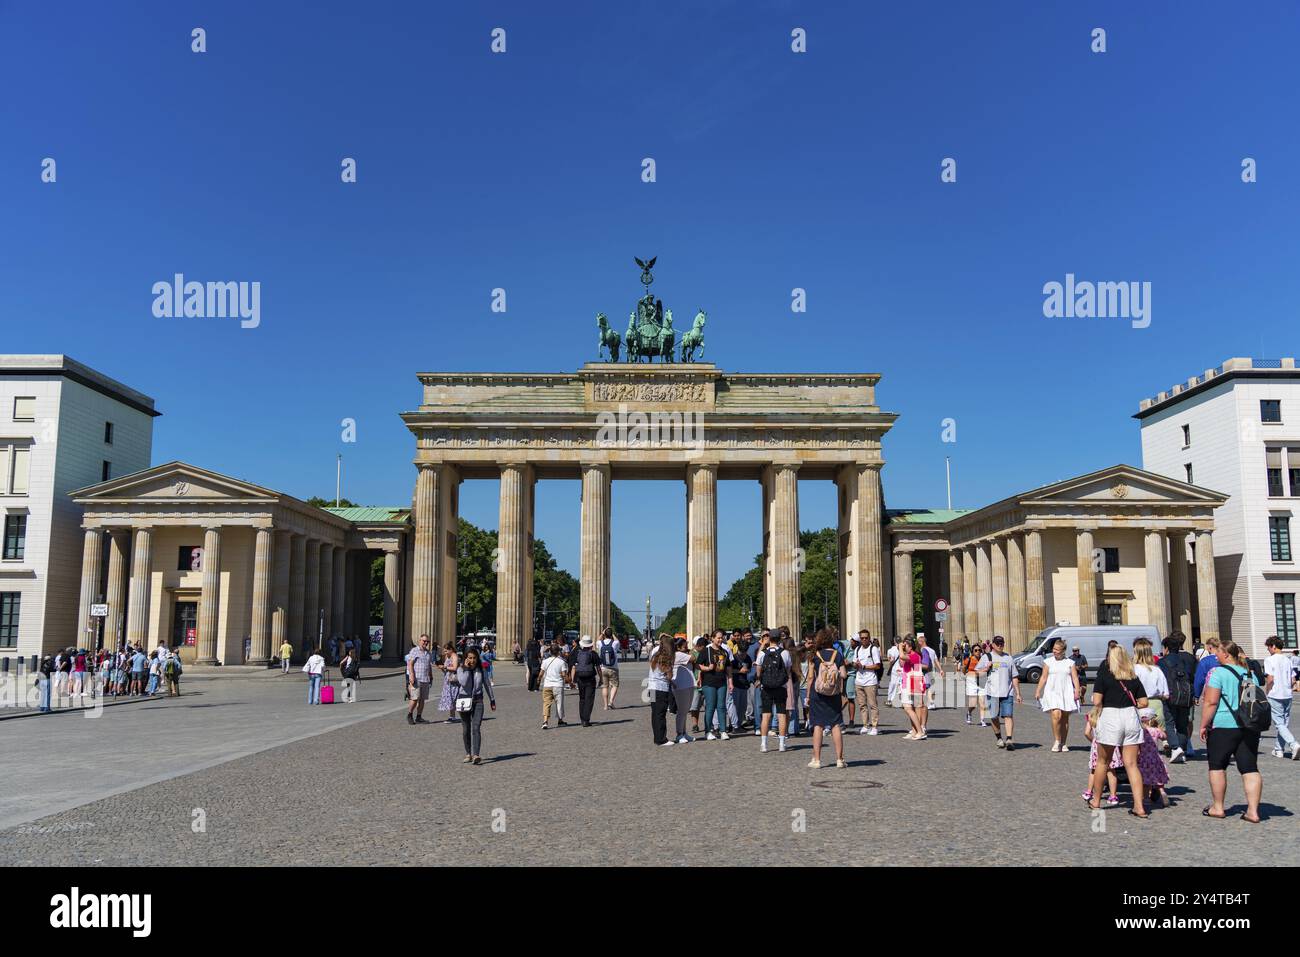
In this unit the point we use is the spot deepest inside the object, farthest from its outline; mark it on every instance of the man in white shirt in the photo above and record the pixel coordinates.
(555, 671)
(895, 675)
(866, 665)
(1279, 681)
(1003, 681)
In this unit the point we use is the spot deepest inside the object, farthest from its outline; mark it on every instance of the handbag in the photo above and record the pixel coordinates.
(465, 703)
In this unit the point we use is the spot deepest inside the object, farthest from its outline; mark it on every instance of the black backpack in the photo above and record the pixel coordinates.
(1252, 712)
(775, 674)
(608, 656)
(585, 664)
(1180, 683)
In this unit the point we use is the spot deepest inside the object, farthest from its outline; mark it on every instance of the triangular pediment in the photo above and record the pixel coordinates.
(175, 481)
(1121, 484)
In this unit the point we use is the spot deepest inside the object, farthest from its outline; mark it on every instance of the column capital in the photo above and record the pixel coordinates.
(701, 467)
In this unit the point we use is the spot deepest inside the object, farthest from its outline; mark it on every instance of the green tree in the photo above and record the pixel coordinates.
(674, 621)
(329, 502)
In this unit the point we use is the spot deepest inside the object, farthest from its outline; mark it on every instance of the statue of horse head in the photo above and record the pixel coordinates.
(699, 320)
(601, 321)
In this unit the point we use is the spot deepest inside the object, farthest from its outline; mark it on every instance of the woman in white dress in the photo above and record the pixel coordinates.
(1058, 693)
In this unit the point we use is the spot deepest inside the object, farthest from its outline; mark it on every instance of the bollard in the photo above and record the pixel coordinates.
(4, 665)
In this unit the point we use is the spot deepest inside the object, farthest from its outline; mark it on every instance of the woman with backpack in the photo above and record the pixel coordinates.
(825, 691)
(586, 675)
(1234, 712)
(472, 682)
(350, 669)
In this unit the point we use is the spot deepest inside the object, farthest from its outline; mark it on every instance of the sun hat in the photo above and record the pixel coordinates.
(586, 641)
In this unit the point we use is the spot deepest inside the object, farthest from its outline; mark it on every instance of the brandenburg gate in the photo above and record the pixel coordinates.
(687, 422)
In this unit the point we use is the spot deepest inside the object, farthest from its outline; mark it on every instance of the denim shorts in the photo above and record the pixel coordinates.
(1002, 707)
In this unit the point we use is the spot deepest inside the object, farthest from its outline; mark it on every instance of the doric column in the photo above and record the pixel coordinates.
(1016, 637)
(361, 599)
(209, 598)
(970, 587)
(118, 575)
(1179, 585)
(311, 597)
(868, 549)
(984, 588)
(594, 613)
(425, 563)
(298, 594)
(326, 595)
(282, 548)
(701, 549)
(449, 522)
(514, 557)
(1206, 590)
(1157, 581)
(956, 625)
(263, 564)
(137, 627)
(1035, 588)
(1001, 590)
(339, 594)
(392, 604)
(92, 562)
(784, 559)
(904, 607)
(1087, 576)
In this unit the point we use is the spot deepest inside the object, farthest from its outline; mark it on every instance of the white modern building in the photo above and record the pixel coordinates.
(1236, 428)
(63, 426)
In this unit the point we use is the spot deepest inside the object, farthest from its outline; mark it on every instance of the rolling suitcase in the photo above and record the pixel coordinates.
(326, 690)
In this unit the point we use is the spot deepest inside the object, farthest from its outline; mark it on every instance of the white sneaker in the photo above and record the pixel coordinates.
(667, 744)
(1001, 743)
(1056, 747)
(814, 763)
(684, 739)
(968, 720)
(1178, 756)
(725, 736)
(780, 744)
(840, 763)
(762, 746)
(1278, 753)
(1295, 751)
(711, 737)
(874, 731)
(758, 732)
(864, 731)
(984, 724)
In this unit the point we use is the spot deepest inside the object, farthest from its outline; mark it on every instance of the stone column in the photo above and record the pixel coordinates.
(92, 563)
(514, 566)
(298, 594)
(1179, 585)
(984, 589)
(311, 597)
(1035, 588)
(868, 548)
(1157, 582)
(339, 594)
(449, 523)
(280, 591)
(209, 599)
(137, 622)
(701, 549)
(263, 562)
(326, 595)
(1016, 636)
(1001, 591)
(970, 587)
(1207, 593)
(425, 561)
(1087, 576)
(392, 604)
(904, 607)
(785, 569)
(956, 599)
(118, 574)
(594, 612)
(361, 600)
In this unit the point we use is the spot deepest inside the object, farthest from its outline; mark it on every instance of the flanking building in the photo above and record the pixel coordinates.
(1236, 427)
(62, 426)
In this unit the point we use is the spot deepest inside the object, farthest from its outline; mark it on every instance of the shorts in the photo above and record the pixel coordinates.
(1224, 743)
(774, 698)
(1005, 707)
(909, 700)
(1118, 727)
(609, 675)
(422, 691)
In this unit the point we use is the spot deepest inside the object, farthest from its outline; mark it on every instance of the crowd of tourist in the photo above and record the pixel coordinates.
(70, 677)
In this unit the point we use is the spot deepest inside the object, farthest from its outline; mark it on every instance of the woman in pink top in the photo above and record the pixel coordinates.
(913, 690)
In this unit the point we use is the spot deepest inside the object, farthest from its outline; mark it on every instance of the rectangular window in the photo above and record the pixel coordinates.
(104, 471)
(108, 433)
(1112, 559)
(9, 607)
(1284, 613)
(1188, 467)
(1293, 470)
(1270, 410)
(1187, 436)
(18, 474)
(1279, 537)
(25, 408)
(15, 540)
(190, 558)
(1273, 466)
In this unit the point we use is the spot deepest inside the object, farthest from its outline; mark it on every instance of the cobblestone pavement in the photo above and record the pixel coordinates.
(379, 791)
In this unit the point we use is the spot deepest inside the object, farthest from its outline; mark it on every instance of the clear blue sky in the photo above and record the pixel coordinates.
(775, 170)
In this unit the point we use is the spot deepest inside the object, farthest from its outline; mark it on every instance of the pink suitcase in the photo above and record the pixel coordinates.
(327, 694)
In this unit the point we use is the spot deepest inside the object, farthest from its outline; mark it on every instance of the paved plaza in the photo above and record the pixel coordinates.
(275, 782)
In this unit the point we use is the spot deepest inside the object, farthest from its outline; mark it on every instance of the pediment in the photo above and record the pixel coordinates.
(1123, 484)
(176, 482)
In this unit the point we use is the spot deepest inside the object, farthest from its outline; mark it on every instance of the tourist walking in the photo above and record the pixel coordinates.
(1153, 681)
(1058, 693)
(472, 683)
(449, 666)
(1278, 685)
(1002, 686)
(286, 652)
(912, 688)
(974, 693)
(419, 679)
(772, 668)
(585, 674)
(866, 665)
(931, 666)
(1228, 733)
(683, 687)
(554, 676)
(825, 697)
(608, 649)
(1117, 698)
(350, 671)
(1179, 667)
(713, 663)
(314, 668)
(172, 673)
(658, 684)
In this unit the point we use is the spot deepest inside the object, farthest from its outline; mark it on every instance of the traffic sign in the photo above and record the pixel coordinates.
(98, 611)
(941, 604)
(940, 616)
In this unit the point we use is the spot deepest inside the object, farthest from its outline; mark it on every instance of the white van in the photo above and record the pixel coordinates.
(1091, 640)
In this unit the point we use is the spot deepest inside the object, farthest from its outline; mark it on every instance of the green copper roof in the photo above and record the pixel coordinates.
(366, 514)
(925, 516)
